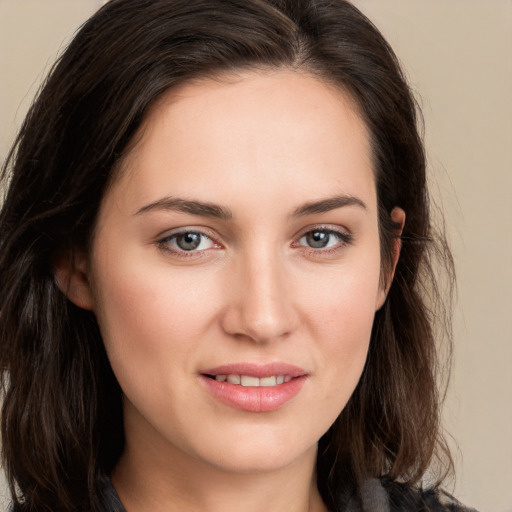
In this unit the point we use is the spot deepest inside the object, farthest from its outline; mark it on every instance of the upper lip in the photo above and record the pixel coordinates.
(256, 369)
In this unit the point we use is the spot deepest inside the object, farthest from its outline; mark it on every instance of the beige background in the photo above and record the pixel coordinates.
(458, 54)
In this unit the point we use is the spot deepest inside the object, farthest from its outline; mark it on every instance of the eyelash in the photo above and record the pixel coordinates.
(164, 244)
(344, 240)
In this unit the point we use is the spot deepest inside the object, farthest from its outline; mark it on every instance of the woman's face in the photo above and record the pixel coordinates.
(239, 246)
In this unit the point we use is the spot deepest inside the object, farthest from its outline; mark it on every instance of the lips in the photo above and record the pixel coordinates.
(254, 387)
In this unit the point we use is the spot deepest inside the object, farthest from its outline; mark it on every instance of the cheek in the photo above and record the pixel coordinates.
(149, 315)
(341, 315)
(343, 303)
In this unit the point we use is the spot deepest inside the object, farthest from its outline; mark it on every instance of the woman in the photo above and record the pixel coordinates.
(215, 269)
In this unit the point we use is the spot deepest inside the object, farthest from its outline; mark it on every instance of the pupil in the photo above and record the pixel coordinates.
(317, 239)
(188, 241)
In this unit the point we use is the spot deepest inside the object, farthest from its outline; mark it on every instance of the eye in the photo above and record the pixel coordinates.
(187, 241)
(324, 239)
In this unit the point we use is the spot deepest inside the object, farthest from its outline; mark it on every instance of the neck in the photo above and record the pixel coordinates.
(150, 481)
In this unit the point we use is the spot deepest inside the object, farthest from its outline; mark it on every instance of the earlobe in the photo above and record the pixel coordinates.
(71, 274)
(398, 219)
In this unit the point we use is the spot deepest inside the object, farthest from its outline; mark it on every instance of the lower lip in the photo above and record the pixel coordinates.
(254, 399)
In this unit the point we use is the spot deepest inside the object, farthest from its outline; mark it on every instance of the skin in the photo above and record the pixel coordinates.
(261, 145)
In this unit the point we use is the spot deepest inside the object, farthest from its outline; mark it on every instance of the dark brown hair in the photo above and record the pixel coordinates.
(61, 421)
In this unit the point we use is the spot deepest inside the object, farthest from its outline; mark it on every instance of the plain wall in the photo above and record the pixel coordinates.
(458, 56)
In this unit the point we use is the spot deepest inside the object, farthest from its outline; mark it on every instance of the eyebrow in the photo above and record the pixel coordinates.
(188, 206)
(205, 209)
(328, 204)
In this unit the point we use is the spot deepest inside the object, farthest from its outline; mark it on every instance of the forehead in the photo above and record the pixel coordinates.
(251, 132)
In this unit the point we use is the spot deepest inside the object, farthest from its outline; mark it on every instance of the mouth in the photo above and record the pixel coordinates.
(250, 381)
(254, 387)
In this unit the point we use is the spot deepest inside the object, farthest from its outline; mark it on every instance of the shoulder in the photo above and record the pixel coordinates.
(109, 495)
(384, 495)
(403, 497)
(107, 499)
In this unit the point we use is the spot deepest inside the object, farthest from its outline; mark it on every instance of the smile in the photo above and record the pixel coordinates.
(254, 387)
(253, 382)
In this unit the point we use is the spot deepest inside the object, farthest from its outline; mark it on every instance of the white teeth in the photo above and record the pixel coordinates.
(268, 381)
(234, 379)
(249, 381)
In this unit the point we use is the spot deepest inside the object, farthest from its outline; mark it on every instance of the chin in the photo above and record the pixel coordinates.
(260, 455)
(266, 462)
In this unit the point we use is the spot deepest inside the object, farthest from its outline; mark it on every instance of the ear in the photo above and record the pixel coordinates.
(398, 219)
(71, 274)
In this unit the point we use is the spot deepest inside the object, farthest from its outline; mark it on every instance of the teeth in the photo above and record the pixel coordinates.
(268, 381)
(234, 379)
(249, 381)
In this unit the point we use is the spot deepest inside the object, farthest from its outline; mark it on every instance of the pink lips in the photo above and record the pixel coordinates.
(255, 399)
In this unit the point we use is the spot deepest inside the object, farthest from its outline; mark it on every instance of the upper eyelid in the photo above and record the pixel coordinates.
(163, 243)
(179, 231)
(164, 239)
(344, 237)
(211, 233)
(325, 227)
(216, 239)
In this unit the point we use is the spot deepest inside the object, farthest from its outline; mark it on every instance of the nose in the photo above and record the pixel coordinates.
(260, 302)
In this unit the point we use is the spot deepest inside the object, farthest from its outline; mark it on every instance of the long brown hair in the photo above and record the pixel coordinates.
(61, 423)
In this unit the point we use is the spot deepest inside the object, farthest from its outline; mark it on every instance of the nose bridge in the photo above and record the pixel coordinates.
(261, 304)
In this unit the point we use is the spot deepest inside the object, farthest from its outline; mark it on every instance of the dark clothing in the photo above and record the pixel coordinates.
(376, 496)
(388, 496)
